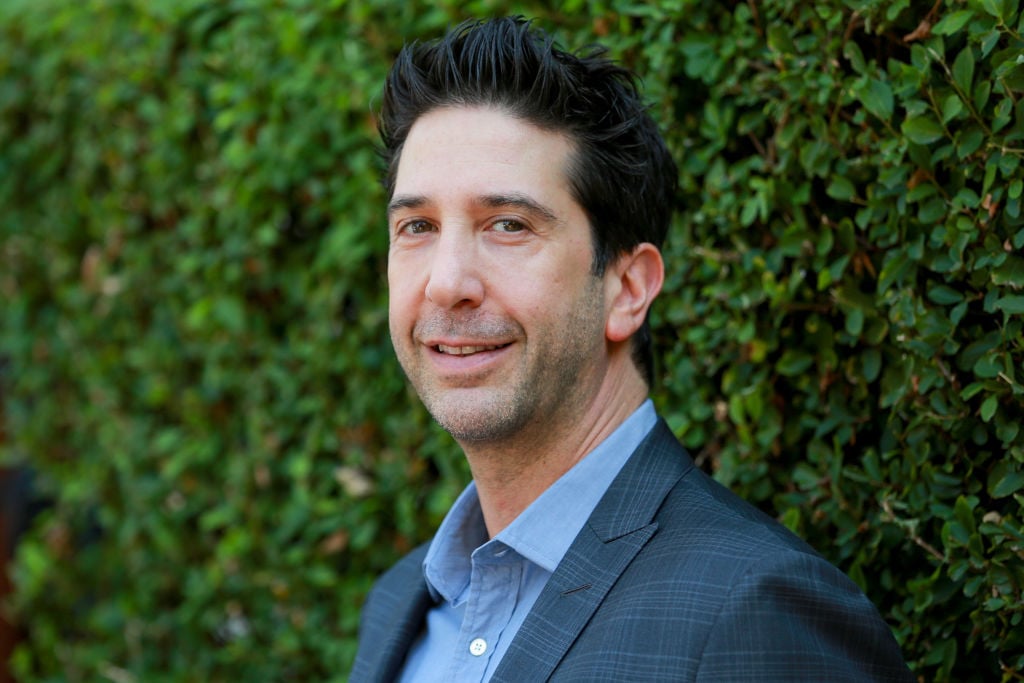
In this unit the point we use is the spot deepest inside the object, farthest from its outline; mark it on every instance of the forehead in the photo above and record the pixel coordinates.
(481, 150)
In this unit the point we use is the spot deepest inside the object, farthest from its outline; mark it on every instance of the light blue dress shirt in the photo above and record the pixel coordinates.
(486, 587)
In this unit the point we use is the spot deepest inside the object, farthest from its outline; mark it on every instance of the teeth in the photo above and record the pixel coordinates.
(463, 350)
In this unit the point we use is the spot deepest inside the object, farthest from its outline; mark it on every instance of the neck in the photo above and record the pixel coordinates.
(511, 474)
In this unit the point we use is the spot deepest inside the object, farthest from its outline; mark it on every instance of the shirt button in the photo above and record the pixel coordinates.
(478, 647)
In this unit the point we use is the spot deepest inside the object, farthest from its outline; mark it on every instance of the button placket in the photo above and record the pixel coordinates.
(494, 578)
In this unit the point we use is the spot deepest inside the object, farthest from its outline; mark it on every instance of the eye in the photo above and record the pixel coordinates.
(416, 227)
(508, 225)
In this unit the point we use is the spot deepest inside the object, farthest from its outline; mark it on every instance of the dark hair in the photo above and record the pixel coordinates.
(621, 173)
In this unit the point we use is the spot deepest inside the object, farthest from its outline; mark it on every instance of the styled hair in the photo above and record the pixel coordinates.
(621, 172)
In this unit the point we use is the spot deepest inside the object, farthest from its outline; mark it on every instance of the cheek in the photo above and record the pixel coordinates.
(400, 311)
(401, 301)
(405, 274)
(547, 298)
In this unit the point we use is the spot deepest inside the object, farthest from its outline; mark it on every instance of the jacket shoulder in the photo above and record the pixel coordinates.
(722, 591)
(391, 618)
(393, 588)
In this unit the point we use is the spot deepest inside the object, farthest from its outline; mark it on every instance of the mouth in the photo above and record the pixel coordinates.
(466, 350)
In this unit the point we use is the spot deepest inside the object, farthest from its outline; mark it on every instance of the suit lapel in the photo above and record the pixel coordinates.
(619, 527)
(398, 618)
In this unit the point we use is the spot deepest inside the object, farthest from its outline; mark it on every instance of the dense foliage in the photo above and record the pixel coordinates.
(193, 341)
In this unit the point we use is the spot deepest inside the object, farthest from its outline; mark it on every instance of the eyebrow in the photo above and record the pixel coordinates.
(406, 202)
(491, 201)
(518, 201)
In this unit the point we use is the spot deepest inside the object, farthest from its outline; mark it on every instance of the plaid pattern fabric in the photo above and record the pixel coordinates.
(391, 619)
(674, 578)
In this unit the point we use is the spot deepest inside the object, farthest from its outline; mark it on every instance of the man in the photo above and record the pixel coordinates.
(529, 192)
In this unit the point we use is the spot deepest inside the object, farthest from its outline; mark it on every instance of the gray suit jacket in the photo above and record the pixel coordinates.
(673, 578)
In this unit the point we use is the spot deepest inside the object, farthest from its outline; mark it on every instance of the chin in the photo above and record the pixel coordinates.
(478, 423)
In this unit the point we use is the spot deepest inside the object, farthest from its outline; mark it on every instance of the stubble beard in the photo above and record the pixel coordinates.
(545, 388)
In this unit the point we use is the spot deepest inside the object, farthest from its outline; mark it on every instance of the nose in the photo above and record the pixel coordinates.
(455, 275)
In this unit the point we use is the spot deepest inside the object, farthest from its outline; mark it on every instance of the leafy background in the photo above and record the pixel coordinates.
(193, 344)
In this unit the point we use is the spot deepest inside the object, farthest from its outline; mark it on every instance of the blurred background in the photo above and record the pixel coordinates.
(208, 451)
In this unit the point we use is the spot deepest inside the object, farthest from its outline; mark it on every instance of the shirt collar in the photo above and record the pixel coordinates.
(570, 500)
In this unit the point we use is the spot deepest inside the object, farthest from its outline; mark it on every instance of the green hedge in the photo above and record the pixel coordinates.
(193, 340)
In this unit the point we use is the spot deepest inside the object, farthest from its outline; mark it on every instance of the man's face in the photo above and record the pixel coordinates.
(494, 312)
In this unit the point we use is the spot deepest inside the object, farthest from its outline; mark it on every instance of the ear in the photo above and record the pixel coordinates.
(634, 279)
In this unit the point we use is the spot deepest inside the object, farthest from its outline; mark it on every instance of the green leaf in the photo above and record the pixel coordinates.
(964, 511)
(1010, 273)
(748, 214)
(779, 39)
(1003, 114)
(952, 22)
(1005, 480)
(958, 313)
(994, 8)
(853, 53)
(988, 408)
(978, 348)
(944, 295)
(1007, 430)
(988, 41)
(897, 268)
(982, 91)
(871, 364)
(969, 141)
(1014, 78)
(952, 106)
(963, 69)
(966, 198)
(702, 58)
(842, 189)
(923, 130)
(877, 98)
(793, 363)
(1013, 304)
(922, 191)
(895, 382)
(933, 211)
(988, 366)
(854, 322)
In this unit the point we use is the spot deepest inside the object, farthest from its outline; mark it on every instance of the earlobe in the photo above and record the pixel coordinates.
(636, 279)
